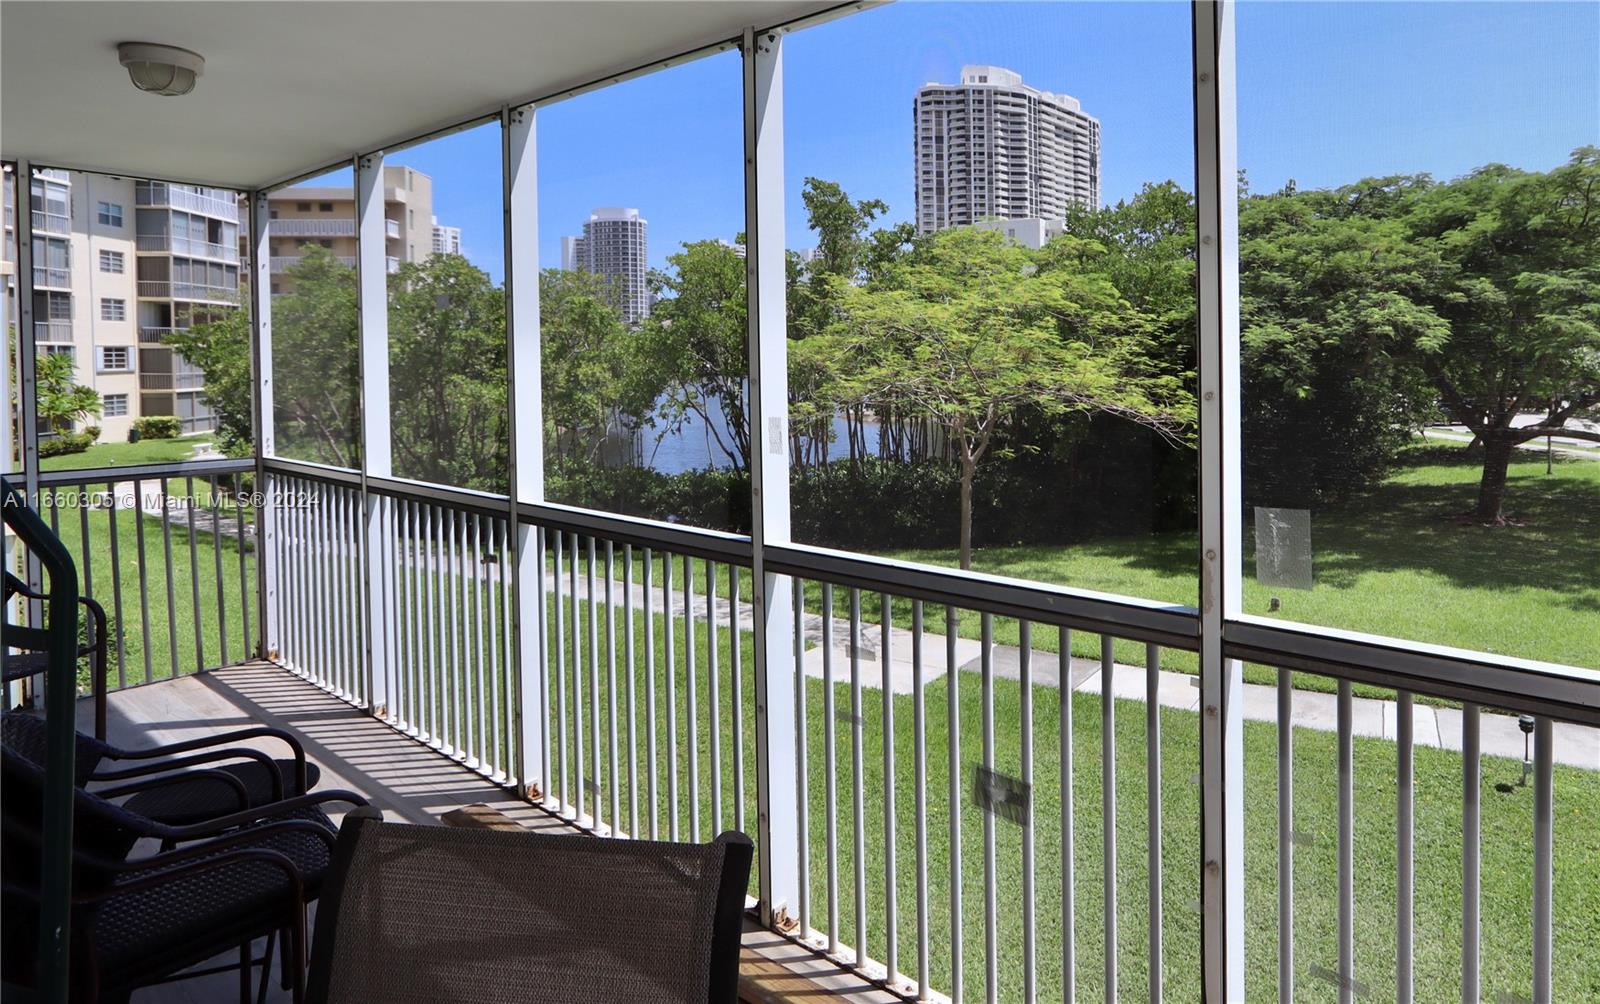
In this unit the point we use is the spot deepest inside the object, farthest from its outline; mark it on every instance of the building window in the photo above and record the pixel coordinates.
(115, 359)
(272, 214)
(60, 306)
(113, 310)
(59, 350)
(109, 214)
(115, 406)
(324, 207)
(112, 261)
(302, 207)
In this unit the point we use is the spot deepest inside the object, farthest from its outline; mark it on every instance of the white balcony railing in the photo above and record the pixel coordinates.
(312, 228)
(391, 229)
(282, 263)
(53, 278)
(164, 289)
(51, 223)
(168, 244)
(52, 331)
(159, 194)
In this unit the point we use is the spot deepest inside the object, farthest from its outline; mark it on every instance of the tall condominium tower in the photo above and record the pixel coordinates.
(614, 245)
(991, 147)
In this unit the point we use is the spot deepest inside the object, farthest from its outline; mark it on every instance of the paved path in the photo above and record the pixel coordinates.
(1575, 745)
(1575, 450)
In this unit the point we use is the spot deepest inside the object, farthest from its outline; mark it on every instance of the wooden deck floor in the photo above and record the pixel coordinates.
(406, 779)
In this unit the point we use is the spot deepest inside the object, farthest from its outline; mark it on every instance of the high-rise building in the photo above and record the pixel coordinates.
(326, 217)
(614, 244)
(992, 147)
(118, 264)
(446, 240)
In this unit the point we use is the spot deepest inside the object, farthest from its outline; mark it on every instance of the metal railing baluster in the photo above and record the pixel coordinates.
(830, 767)
(574, 617)
(858, 780)
(713, 696)
(1108, 811)
(1471, 774)
(1405, 872)
(690, 701)
(736, 672)
(611, 691)
(194, 577)
(1065, 687)
(216, 560)
(166, 548)
(991, 881)
(1285, 837)
(647, 560)
(247, 592)
(562, 802)
(802, 758)
(116, 590)
(1152, 706)
(953, 728)
(1347, 863)
(630, 670)
(1030, 988)
(1543, 858)
(672, 697)
(891, 931)
(919, 748)
(592, 608)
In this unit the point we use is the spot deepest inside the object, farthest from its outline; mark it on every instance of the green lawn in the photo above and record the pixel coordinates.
(146, 451)
(1392, 562)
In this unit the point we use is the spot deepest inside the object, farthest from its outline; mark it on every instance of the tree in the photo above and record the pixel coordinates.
(61, 402)
(1333, 295)
(221, 348)
(447, 374)
(592, 372)
(693, 344)
(973, 334)
(316, 395)
(1521, 297)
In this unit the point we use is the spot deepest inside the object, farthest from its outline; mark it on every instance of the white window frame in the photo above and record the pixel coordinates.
(114, 258)
(108, 214)
(103, 354)
(113, 308)
(106, 406)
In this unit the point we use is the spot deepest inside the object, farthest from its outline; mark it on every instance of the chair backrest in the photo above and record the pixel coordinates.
(438, 914)
(26, 734)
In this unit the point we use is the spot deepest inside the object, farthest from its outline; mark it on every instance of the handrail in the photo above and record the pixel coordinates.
(143, 472)
(61, 638)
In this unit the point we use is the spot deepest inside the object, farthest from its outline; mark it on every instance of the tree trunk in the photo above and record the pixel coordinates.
(967, 469)
(1492, 487)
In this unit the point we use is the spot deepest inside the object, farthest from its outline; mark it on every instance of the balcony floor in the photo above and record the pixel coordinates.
(407, 780)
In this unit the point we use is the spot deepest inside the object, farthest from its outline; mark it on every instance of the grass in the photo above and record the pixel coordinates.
(1391, 562)
(146, 451)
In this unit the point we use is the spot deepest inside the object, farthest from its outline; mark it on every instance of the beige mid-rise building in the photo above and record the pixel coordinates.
(326, 217)
(118, 264)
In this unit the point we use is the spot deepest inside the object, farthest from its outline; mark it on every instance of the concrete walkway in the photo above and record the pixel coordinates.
(1440, 728)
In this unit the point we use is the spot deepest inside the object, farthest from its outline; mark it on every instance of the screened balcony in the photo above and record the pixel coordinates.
(972, 768)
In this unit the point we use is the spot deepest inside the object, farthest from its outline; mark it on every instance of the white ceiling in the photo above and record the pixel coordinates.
(291, 86)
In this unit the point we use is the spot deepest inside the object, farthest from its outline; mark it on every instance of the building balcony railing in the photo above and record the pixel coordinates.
(189, 380)
(168, 244)
(164, 289)
(52, 331)
(282, 263)
(671, 747)
(157, 194)
(312, 228)
(151, 335)
(52, 278)
(391, 229)
(51, 223)
(392, 264)
(155, 381)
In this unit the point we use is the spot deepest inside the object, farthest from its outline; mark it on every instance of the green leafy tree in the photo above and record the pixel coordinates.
(221, 348)
(973, 335)
(693, 344)
(61, 400)
(1333, 297)
(1521, 298)
(447, 374)
(316, 395)
(593, 373)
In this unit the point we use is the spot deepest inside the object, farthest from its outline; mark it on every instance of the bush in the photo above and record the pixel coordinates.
(63, 443)
(157, 427)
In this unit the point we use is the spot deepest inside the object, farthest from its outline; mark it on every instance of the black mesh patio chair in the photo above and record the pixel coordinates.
(20, 665)
(188, 796)
(441, 915)
(136, 922)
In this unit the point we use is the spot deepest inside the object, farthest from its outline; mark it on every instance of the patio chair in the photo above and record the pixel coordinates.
(440, 915)
(21, 665)
(188, 796)
(141, 921)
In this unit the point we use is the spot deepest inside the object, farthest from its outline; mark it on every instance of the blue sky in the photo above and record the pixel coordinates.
(1328, 93)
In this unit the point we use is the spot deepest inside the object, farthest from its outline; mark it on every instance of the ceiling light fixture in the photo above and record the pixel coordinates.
(161, 69)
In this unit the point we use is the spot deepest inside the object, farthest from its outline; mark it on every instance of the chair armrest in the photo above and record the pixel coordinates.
(182, 777)
(234, 838)
(212, 827)
(210, 756)
(202, 742)
(165, 874)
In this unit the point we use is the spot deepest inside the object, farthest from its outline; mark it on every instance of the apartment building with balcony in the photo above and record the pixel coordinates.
(991, 147)
(615, 244)
(323, 216)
